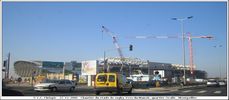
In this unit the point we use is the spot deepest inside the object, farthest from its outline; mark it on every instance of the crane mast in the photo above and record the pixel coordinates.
(115, 42)
(191, 50)
(190, 53)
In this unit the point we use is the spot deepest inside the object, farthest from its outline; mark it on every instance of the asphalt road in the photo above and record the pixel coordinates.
(85, 91)
(203, 91)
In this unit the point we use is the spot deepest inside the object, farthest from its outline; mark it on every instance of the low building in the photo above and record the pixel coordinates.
(49, 69)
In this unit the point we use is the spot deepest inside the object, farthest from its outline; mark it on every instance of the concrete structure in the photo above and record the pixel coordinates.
(169, 70)
(25, 69)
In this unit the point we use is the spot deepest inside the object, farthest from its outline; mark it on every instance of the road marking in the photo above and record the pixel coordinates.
(186, 91)
(217, 92)
(202, 91)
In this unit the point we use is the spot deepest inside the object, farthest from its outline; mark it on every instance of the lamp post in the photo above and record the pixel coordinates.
(64, 71)
(104, 62)
(183, 40)
(219, 46)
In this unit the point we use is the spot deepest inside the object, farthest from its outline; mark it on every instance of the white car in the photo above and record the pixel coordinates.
(55, 85)
(222, 83)
(212, 82)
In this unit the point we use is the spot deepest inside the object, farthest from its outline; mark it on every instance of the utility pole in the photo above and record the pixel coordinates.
(104, 61)
(220, 75)
(64, 71)
(183, 40)
(8, 66)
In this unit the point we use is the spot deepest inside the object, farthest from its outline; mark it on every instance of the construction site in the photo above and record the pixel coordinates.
(135, 69)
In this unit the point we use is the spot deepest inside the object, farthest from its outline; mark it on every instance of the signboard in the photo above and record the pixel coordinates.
(161, 72)
(89, 67)
(52, 65)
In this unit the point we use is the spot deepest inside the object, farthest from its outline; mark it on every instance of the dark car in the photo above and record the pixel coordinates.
(9, 92)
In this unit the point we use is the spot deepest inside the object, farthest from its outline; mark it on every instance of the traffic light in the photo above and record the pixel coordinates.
(4, 63)
(131, 48)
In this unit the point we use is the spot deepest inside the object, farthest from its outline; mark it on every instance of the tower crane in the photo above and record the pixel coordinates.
(189, 37)
(115, 42)
(191, 51)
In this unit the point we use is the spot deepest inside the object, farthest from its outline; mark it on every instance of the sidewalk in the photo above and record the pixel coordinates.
(19, 85)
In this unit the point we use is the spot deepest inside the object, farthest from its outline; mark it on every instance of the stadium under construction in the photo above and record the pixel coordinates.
(131, 66)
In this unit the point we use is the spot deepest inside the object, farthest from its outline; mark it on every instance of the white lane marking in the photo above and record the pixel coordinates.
(186, 91)
(202, 91)
(217, 92)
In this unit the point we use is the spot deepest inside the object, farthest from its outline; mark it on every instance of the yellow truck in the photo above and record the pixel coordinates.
(112, 82)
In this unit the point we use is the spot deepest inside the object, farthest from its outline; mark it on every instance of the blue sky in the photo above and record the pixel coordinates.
(68, 31)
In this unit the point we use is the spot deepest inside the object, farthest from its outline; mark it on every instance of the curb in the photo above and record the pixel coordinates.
(20, 85)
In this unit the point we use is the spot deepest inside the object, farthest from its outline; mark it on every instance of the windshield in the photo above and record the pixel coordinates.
(102, 78)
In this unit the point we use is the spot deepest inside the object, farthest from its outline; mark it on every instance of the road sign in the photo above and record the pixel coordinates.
(50, 65)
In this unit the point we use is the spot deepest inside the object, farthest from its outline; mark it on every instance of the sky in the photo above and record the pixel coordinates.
(66, 31)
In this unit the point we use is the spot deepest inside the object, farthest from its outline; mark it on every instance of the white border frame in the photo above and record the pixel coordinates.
(79, 97)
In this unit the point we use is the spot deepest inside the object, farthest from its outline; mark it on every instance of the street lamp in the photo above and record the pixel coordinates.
(183, 39)
(219, 46)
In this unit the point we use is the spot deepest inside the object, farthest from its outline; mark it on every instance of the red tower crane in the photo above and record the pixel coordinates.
(191, 51)
(189, 37)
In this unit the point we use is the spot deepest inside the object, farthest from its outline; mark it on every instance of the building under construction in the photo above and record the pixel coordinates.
(168, 71)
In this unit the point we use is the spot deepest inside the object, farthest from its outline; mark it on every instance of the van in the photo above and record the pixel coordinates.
(112, 82)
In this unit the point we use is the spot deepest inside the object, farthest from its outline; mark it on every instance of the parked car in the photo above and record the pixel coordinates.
(212, 82)
(55, 85)
(45, 85)
(10, 92)
(112, 82)
(222, 83)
